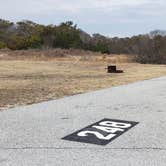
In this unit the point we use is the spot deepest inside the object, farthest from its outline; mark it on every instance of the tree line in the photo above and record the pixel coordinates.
(148, 48)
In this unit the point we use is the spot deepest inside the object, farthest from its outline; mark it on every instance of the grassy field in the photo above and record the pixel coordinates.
(27, 81)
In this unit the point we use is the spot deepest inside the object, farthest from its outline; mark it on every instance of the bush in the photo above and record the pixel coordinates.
(2, 45)
(34, 42)
(21, 42)
(17, 43)
(152, 51)
(67, 36)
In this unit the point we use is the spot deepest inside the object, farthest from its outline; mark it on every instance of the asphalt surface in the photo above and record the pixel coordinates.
(31, 135)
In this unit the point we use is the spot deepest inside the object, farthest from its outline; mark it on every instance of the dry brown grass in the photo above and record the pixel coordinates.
(26, 81)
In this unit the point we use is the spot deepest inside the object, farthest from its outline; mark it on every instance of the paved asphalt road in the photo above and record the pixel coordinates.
(31, 135)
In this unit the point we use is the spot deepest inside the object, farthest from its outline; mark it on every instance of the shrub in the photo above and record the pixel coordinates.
(17, 43)
(34, 42)
(2, 45)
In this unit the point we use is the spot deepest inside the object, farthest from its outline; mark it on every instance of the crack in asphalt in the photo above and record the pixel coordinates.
(81, 148)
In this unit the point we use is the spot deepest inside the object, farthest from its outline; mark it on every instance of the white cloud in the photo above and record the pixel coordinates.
(39, 6)
(99, 15)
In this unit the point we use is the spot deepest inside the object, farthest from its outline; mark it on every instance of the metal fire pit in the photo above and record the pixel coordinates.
(112, 69)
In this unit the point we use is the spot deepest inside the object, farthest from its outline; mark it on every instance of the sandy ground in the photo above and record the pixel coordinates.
(27, 81)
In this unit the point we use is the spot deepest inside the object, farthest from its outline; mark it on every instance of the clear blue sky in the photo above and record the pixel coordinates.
(108, 17)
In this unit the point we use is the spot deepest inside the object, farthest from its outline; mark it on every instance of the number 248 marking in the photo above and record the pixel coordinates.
(107, 126)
